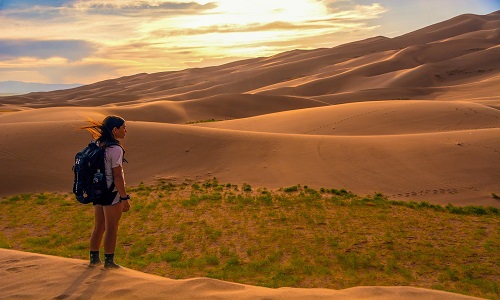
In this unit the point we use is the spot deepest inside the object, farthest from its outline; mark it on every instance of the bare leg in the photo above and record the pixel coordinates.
(99, 227)
(96, 236)
(112, 215)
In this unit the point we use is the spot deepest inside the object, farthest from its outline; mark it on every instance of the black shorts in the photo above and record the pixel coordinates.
(111, 198)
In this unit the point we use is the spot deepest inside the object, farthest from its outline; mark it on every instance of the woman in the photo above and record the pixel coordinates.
(108, 211)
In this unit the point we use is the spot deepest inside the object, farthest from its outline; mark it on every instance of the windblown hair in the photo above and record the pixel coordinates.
(103, 132)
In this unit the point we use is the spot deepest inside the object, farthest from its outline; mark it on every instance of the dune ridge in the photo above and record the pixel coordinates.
(71, 278)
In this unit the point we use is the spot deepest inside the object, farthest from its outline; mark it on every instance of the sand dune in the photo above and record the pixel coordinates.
(221, 107)
(373, 118)
(449, 166)
(71, 278)
(415, 117)
(432, 55)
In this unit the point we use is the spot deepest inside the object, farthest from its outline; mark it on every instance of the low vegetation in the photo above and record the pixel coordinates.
(296, 236)
(203, 121)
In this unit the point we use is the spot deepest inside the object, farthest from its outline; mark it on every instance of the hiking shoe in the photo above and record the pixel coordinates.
(111, 265)
(94, 264)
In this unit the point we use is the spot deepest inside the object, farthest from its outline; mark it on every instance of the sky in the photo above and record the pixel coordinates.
(86, 41)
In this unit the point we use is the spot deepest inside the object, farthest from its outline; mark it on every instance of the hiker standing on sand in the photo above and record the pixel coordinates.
(108, 211)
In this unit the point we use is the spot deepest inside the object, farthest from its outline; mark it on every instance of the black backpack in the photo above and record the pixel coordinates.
(90, 179)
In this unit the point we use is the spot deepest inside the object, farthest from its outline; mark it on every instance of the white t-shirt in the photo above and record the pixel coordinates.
(113, 158)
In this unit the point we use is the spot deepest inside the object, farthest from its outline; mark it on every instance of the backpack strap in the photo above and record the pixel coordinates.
(116, 144)
(112, 186)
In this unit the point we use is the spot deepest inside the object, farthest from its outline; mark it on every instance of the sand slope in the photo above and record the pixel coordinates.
(65, 278)
(457, 166)
(373, 118)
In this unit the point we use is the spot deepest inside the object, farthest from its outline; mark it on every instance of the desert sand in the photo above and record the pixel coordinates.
(37, 276)
(415, 117)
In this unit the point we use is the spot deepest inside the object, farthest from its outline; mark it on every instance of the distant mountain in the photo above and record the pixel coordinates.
(19, 87)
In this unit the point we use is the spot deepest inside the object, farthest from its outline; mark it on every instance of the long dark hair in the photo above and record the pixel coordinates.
(103, 132)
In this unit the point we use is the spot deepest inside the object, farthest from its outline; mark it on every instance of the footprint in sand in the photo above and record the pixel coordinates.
(8, 262)
(21, 268)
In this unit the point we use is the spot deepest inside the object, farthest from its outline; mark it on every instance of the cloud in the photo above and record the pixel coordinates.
(353, 9)
(33, 10)
(137, 8)
(356, 14)
(69, 49)
(105, 4)
(44, 11)
(17, 4)
(230, 28)
(123, 37)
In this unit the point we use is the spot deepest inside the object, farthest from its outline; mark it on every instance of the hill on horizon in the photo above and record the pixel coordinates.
(414, 117)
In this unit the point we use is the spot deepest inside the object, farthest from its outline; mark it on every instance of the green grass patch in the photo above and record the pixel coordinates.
(203, 121)
(296, 236)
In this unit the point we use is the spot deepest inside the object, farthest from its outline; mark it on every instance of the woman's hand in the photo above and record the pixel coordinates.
(125, 206)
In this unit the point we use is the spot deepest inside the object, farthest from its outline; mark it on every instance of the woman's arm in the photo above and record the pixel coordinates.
(120, 185)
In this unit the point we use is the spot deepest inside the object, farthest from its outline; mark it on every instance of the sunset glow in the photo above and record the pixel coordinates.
(87, 41)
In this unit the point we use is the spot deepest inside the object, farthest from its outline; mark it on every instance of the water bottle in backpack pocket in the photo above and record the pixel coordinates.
(99, 185)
